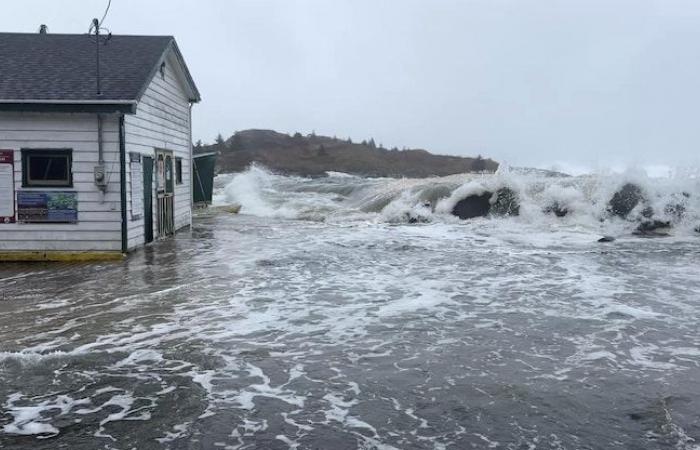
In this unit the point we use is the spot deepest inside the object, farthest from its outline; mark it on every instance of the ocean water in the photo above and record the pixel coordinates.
(320, 318)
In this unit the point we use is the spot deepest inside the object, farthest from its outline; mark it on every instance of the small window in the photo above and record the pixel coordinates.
(47, 168)
(178, 170)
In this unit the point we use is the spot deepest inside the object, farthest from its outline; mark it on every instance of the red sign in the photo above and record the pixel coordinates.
(7, 186)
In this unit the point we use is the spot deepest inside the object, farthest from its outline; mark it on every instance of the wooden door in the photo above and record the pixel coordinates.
(165, 192)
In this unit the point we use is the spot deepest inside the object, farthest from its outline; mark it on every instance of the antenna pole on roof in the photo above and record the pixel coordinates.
(96, 24)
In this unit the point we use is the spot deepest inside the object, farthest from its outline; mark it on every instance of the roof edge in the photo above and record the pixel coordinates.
(75, 102)
(195, 97)
(68, 106)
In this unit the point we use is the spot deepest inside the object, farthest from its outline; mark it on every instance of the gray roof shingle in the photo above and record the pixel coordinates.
(62, 67)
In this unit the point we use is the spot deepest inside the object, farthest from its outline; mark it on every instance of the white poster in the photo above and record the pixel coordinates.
(136, 188)
(7, 187)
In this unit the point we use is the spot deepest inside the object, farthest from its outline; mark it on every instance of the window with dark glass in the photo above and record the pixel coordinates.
(47, 168)
(178, 170)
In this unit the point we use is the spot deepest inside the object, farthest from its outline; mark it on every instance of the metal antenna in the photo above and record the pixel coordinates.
(96, 24)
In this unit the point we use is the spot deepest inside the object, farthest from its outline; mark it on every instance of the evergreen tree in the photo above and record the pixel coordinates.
(371, 143)
(219, 143)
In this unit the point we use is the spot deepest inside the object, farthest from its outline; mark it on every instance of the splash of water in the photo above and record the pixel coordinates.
(343, 198)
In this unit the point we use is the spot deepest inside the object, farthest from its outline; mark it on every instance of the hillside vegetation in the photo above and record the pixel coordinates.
(314, 155)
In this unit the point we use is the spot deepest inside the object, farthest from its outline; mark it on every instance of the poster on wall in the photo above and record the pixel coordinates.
(160, 173)
(7, 186)
(47, 207)
(136, 186)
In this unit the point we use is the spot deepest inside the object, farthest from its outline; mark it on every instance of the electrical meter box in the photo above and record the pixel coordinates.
(100, 177)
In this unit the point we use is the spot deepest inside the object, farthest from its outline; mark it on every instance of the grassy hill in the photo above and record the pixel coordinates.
(315, 155)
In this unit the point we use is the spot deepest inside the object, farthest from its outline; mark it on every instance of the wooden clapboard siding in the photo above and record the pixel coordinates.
(161, 122)
(99, 215)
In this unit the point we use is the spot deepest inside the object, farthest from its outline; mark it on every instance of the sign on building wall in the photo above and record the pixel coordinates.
(136, 186)
(47, 207)
(7, 186)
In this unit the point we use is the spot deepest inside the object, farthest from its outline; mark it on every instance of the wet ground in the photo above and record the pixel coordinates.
(257, 333)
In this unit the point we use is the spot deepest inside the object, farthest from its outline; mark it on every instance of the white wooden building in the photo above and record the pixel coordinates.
(93, 164)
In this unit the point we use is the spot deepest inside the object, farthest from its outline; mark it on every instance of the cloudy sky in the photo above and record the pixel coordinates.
(537, 82)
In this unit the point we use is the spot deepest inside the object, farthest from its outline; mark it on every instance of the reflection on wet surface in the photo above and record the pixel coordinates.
(249, 333)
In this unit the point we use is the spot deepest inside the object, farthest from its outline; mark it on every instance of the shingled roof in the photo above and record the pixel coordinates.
(60, 69)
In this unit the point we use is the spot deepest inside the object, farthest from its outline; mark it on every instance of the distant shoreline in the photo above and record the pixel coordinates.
(314, 156)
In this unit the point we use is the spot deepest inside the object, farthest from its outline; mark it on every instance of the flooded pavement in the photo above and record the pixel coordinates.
(248, 332)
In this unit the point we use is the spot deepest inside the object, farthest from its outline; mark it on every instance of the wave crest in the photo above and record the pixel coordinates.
(580, 201)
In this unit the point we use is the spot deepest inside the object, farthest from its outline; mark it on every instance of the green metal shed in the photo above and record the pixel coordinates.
(204, 164)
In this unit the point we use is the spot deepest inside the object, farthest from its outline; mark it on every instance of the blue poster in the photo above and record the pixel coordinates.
(47, 207)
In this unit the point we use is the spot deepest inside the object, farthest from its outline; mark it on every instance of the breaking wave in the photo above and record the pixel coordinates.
(342, 198)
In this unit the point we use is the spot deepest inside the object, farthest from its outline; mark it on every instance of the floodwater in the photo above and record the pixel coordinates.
(273, 333)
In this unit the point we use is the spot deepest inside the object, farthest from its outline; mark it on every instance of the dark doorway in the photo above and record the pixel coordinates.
(148, 198)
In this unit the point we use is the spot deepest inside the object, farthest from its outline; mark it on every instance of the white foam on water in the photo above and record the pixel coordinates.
(179, 430)
(246, 398)
(31, 420)
(339, 411)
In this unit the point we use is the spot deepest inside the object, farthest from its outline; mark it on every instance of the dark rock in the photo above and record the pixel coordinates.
(625, 200)
(473, 206)
(648, 212)
(606, 239)
(416, 218)
(556, 209)
(653, 228)
(697, 229)
(506, 203)
(676, 211)
(677, 207)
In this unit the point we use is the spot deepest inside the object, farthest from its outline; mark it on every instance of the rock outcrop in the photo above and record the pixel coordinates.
(677, 208)
(505, 204)
(653, 228)
(473, 206)
(675, 211)
(557, 209)
(625, 200)
(606, 239)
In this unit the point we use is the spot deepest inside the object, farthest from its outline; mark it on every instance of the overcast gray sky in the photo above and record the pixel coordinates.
(532, 82)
